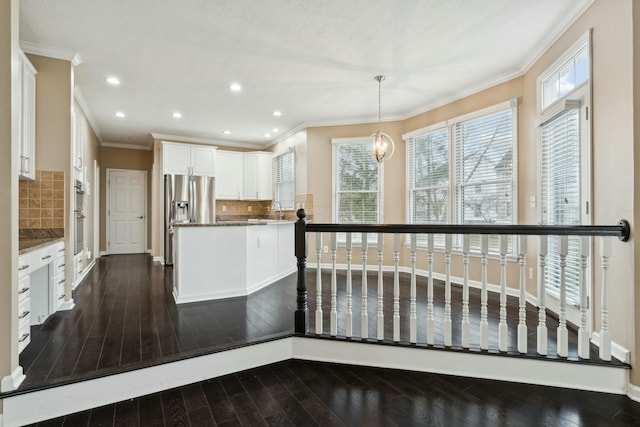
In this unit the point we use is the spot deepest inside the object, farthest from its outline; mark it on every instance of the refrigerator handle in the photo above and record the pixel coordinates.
(192, 199)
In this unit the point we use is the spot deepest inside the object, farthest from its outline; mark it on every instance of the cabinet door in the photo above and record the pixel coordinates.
(229, 175)
(78, 144)
(27, 120)
(264, 174)
(176, 159)
(250, 187)
(203, 161)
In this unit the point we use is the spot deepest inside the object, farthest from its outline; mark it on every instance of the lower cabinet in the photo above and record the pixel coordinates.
(24, 302)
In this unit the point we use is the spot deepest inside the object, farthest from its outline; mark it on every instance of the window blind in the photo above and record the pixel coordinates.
(284, 177)
(357, 187)
(560, 196)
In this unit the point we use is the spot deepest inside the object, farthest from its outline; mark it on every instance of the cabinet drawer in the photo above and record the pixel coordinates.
(58, 266)
(24, 267)
(24, 311)
(24, 336)
(24, 288)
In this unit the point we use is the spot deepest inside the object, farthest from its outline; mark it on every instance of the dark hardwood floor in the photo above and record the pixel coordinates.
(298, 393)
(125, 317)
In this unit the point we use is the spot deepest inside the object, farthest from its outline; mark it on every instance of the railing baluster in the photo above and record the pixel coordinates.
(447, 291)
(562, 336)
(522, 312)
(364, 314)
(396, 288)
(334, 286)
(319, 284)
(542, 294)
(380, 288)
(605, 335)
(583, 330)
(413, 317)
(484, 311)
(465, 292)
(301, 316)
(503, 331)
(349, 314)
(430, 320)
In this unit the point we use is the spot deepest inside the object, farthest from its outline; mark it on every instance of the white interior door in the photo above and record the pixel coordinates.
(127, 191)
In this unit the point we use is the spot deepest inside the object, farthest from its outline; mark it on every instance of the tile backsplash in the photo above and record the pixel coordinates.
(41, 202)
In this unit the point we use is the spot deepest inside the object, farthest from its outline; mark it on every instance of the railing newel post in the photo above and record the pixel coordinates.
(301, 314)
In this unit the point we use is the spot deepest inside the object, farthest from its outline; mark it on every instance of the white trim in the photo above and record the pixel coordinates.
(49, 51)
(147, 147)
(158, 259)
(617, 351)
(103, 253)
(426, 129)
(207, 141)
(564, 103)
(85, 271)
(284, 151)
(467, 364)
(28, 408)
(67, 305)
(82, 103)
(13, 381)
(351, 140)
(633, 392)
(510, 104)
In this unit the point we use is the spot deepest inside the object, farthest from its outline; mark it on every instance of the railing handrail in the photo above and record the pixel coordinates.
(621, 230)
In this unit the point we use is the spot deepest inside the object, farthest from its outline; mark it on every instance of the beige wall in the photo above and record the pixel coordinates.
(120, 158)
(8, 193)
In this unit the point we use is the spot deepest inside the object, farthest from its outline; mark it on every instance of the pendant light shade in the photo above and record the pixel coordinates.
(381, 145)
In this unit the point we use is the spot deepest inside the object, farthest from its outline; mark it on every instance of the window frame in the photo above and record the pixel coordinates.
(277, 156)
(454, 215)
(365, 141)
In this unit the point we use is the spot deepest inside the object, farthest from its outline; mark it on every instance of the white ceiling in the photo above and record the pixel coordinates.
(312, 60)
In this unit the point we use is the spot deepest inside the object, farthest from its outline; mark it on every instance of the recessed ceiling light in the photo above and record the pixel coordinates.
(226, 131)
(235, 87)
(267, 135)
(176, 115)
(277, 113)
(113, 81)
(275, 130)
(120, 114)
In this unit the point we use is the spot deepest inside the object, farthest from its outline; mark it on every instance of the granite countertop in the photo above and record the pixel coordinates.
(28, 245)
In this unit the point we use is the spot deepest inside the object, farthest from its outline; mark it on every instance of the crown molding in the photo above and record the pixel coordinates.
(146, 147)
(82, 103)
(51, 52)
(208, 141)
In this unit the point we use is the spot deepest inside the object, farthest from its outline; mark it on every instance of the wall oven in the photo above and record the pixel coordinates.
(78, 214)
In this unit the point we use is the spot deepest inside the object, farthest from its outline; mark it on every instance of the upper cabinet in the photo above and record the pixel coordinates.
(77, 135)
(188, 159)
(257, 175)
(229, 175)
(27, 118)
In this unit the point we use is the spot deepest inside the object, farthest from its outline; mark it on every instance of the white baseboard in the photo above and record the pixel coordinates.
(67, 305)
(85, 271)
(28, 408)
(633, 392)
(158, 259)
(13, 381)
(617, 351)
(104, 253)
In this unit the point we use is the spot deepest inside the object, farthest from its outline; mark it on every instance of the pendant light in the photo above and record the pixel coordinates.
(382, 146)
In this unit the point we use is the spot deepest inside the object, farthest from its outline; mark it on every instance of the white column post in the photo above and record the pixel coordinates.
(522, 312)
(484, 310)
(430, 320)
(364, 314)
(396, 288)
(413, 317)
(605, 335)
(380, 288)
(334, 287)
(583, 330)
(542, 294)
(447, 291)
(503, 331)
(319, 284)
(349, 314)
(563, 336)
(465, 292)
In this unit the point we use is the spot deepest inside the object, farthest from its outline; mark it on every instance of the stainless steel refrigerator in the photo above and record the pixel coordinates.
(187, 199)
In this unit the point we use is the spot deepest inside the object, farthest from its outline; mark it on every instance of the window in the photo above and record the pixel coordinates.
(284, 180)
(357, 184)
(462, 171)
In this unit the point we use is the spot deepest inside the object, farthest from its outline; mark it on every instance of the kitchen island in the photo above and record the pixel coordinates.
(230, 258)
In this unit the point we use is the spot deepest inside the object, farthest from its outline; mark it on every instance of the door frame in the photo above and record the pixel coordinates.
(108, 207)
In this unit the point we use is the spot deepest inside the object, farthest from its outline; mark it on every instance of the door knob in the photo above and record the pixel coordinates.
(140, 217)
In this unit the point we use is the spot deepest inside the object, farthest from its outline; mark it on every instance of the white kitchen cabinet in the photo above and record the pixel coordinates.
(24, 301)
(27, 118)
(188, 159)
(77, 135)
(229, 175)
(257, 175)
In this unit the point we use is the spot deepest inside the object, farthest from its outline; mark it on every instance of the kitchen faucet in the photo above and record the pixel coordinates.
(279, 207)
